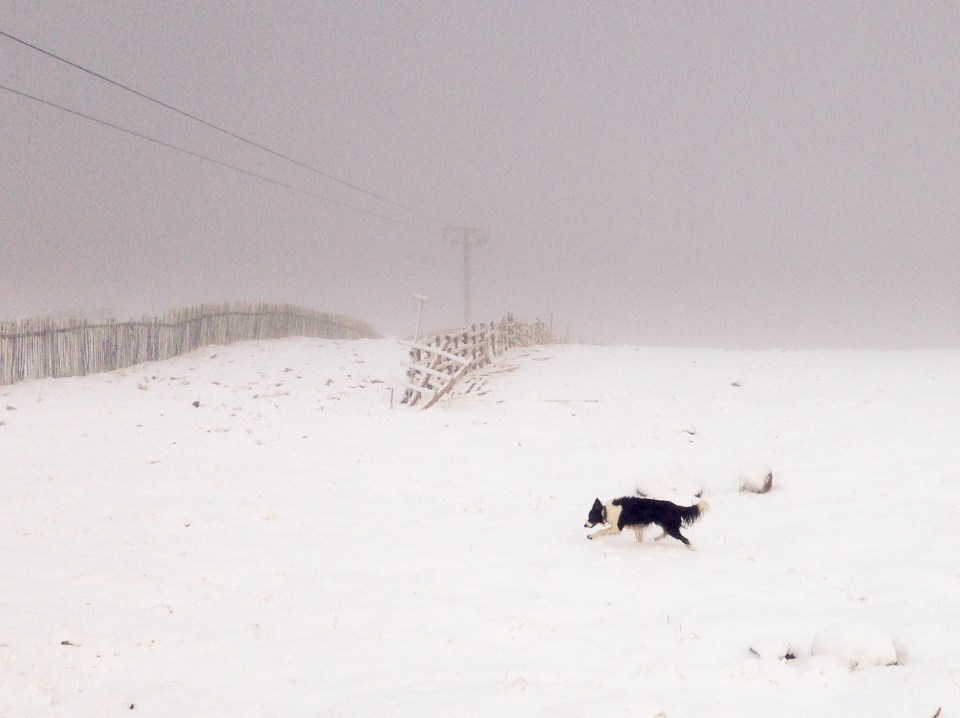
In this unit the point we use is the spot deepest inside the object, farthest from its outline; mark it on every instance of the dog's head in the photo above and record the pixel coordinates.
(598, 515)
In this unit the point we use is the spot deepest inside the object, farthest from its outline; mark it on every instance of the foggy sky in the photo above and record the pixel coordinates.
(741, 175)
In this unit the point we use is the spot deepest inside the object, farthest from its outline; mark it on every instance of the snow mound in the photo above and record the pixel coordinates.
(857, 645)
(669, 484)
(757, 479)
(767, 648)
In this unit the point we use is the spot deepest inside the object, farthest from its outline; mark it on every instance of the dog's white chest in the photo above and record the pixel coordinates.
(613, 515)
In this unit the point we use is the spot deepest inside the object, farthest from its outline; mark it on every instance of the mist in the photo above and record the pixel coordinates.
(736, 175)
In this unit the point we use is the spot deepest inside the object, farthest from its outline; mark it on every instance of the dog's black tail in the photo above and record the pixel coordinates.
(689, 514)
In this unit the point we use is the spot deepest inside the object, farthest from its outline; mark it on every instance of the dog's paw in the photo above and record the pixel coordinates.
(589, 536)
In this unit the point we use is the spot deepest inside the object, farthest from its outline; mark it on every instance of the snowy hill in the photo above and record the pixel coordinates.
(256, 530)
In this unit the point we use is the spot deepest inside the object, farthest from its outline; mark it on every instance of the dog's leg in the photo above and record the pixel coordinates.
(604, 532)
(638, 530)
(662, 534)
(675, 532)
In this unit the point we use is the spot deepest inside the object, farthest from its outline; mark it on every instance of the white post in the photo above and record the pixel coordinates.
(420, 298)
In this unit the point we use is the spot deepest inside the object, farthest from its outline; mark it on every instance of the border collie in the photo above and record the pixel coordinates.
(638, 513)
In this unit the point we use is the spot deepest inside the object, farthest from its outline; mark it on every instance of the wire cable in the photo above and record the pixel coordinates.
(210, 159)
(222, 130)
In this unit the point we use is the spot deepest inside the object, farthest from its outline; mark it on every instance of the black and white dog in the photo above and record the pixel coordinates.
(638, 513)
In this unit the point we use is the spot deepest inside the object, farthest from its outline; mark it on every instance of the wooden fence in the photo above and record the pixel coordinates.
(33, 349)
(439, 362)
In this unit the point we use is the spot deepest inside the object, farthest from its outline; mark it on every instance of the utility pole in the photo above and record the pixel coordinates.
(466, 237)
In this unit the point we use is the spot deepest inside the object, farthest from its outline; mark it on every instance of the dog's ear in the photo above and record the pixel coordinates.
(597, 504)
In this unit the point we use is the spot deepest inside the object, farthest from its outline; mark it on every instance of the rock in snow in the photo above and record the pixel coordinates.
(756, 479)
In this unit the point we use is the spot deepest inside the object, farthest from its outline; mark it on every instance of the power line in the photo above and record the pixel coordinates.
(220, 129)
(208, 159)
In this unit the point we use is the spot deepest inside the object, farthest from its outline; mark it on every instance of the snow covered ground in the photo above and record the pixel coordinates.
(254, 530)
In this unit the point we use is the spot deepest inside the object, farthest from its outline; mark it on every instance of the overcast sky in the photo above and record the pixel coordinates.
(741, 175)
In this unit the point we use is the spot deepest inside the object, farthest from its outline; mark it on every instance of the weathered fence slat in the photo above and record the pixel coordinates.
(445, 389)
(426, 370)
(419, 389)
(427, 349)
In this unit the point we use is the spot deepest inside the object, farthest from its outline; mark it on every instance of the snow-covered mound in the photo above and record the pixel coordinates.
(771, 648)
(670, 483)
(756, 479)
(857, 645)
